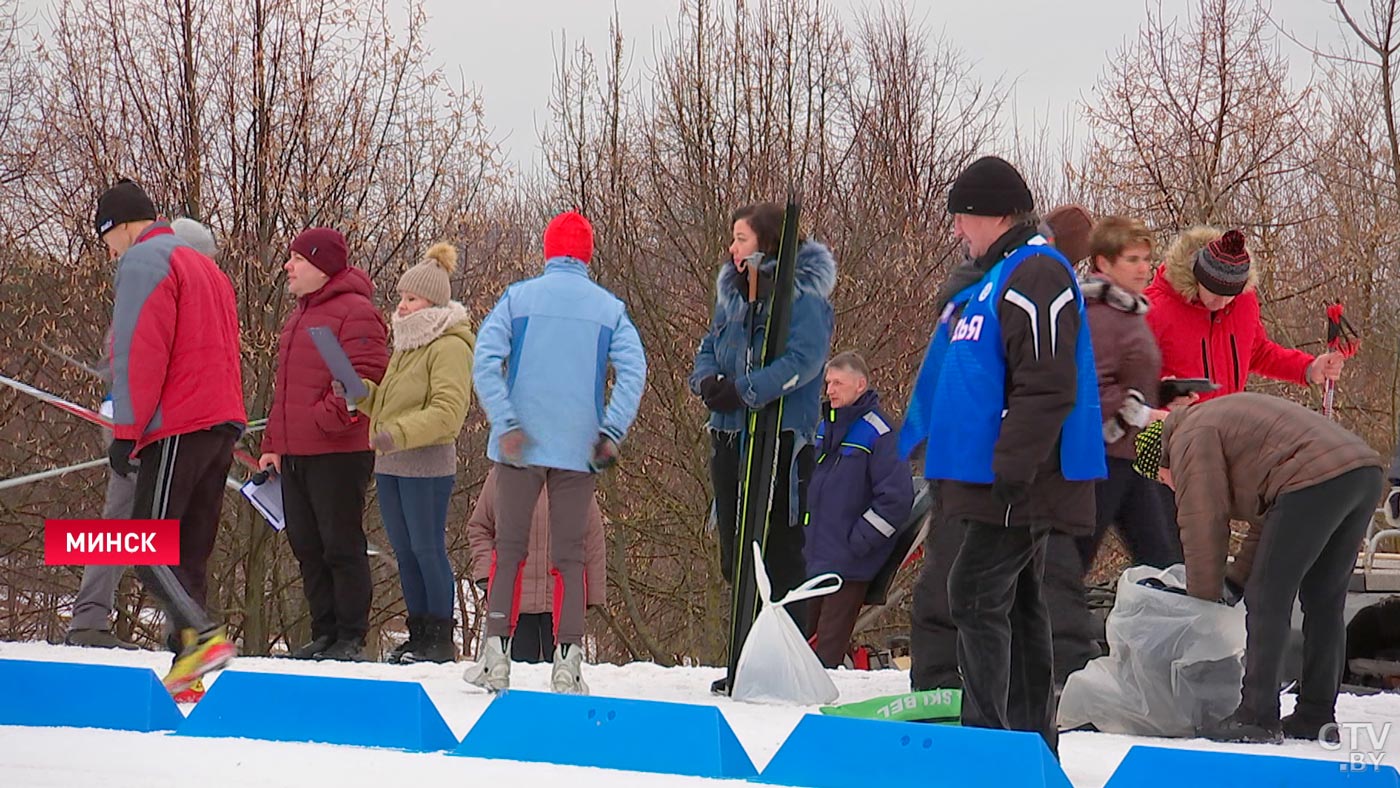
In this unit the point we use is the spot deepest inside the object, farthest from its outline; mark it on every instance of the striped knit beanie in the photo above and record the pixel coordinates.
(1222, 267)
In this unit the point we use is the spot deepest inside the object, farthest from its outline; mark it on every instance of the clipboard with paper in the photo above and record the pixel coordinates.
(266, 497)
(338, 363)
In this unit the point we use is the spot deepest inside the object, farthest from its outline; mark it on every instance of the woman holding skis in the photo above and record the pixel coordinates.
(731, 380)
(415, 416)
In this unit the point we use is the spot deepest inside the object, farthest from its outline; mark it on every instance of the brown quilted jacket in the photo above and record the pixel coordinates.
(537, 587)
(1231, 458)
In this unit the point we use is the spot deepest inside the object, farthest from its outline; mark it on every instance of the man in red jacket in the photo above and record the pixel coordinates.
(1205, 316)
(177, 405)
(320, 447)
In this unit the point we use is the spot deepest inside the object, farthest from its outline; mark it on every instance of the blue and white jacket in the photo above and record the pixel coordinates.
(541, 365)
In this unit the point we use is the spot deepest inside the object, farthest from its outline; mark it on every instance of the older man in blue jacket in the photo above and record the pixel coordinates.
(860, 492)
(541, 370)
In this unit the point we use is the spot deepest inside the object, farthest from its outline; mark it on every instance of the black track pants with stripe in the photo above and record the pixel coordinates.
(182, 478)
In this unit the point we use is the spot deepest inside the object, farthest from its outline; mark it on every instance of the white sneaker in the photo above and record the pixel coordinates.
(492, 669)
(567, 678)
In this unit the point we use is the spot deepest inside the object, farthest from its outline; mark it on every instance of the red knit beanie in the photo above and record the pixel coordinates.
(323, 247)
(569, 235)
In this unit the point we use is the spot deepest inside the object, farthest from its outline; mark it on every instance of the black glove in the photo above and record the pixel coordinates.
(1010, 493)
(725, 397)
(709, 387)
(605, 452)
(119, 456)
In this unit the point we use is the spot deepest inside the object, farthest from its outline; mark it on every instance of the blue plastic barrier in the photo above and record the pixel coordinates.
(839, 751)
(611, 733)
(70, 694)
(277, 707)
(1161, 767)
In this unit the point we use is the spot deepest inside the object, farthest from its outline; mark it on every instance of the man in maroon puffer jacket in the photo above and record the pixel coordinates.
(320, 447)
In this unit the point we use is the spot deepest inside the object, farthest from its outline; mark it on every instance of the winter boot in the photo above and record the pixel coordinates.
(567, 677)
(436, 645)
(720, 686)
(202, 652)
(314, 648)
(492, 669)
(415, 636)
(1317, 729)
(97, 638)
(1241, 726)
(345, 651)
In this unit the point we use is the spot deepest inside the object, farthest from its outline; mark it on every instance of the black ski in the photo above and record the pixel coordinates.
(760, 447)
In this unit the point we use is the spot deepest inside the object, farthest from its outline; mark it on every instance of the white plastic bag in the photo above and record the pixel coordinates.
(777, 665)
(1174, 662)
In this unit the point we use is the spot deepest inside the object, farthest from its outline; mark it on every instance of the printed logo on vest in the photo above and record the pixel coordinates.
(969, 328)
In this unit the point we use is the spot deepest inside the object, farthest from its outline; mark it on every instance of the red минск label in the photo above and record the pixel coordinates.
(112, 542)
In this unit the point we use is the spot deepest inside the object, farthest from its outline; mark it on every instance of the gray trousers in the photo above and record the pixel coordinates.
(517, 491)
(98, 591)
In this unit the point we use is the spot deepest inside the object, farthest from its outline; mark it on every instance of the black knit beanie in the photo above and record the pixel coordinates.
(990, 187)
(124, 202)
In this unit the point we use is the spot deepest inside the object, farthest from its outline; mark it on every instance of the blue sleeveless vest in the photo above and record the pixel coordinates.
(960, 397)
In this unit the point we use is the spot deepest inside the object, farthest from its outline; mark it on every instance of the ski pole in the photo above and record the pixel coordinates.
(91, 370)
(254, 425)
(56, 401)
(20, 481)
(243, 457)
(1341, 338)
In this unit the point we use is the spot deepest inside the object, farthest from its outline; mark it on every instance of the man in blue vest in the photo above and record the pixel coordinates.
(1007, 401)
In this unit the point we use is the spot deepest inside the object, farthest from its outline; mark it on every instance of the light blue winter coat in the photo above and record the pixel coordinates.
(541, 365)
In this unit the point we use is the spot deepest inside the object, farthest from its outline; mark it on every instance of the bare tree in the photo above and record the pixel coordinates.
(260, 119)
(1194, 115)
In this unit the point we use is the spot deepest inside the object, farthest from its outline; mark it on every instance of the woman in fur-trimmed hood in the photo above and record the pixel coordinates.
(415, 416)
(1205, 316)
(731, 378)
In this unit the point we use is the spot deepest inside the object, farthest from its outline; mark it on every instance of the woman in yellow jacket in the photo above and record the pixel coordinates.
(415, 416)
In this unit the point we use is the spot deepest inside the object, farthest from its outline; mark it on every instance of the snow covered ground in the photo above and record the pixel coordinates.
(67, 757)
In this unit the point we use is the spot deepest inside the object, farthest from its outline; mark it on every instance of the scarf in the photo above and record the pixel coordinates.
(426, 325)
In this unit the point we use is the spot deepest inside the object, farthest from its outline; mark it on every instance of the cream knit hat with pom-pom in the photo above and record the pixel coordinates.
(431, 278)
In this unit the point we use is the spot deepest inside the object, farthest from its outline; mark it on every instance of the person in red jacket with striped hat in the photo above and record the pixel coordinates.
(177, 406)
(319, 444)
(1205, 317)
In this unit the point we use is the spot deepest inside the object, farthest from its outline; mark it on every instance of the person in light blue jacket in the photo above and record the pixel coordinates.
(732, 378)
(540, 371)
